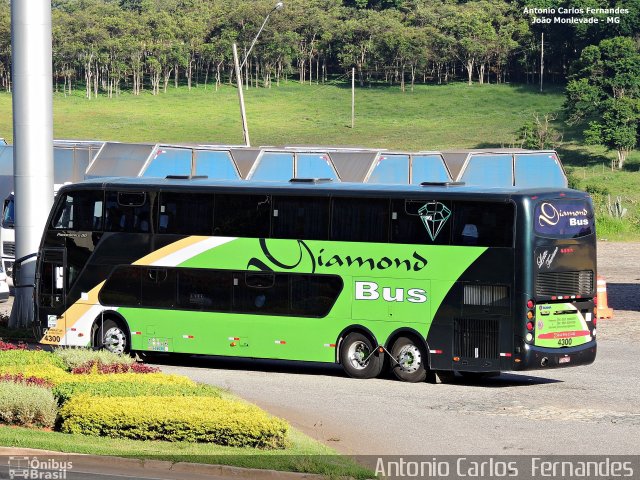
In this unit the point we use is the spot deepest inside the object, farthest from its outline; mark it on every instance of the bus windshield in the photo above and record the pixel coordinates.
(565, 218)
(8, 216)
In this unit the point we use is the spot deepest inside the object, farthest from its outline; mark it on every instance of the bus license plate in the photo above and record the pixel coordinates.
(564, 360)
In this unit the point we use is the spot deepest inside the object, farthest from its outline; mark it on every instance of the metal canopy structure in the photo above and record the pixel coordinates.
(502, 167)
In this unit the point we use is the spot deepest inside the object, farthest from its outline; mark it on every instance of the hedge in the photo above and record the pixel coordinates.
(192, 419)
(26, 405)
(137, 388)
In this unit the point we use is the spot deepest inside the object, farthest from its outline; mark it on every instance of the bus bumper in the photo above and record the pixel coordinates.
(537, 358)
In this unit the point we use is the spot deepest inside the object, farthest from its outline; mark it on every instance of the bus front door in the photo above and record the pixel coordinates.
(51, 295)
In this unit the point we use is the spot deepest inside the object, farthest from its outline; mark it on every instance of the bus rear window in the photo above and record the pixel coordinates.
(570, 218)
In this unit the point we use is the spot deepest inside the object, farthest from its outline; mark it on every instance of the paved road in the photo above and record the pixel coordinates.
(585, 410)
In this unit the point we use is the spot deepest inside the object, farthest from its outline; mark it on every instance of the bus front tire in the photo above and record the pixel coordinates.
(113, 338)
(359, 358)
(411, 360)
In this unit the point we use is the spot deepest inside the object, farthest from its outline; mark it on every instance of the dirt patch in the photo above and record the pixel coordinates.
(618, 264)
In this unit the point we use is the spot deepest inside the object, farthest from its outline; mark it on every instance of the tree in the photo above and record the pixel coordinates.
(5, 46)
(604, 93)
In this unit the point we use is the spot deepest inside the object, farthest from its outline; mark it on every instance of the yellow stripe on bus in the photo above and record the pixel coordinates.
(168, 250)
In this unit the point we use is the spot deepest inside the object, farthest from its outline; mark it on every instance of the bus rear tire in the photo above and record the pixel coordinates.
(113, 338)
(411, 360)
(355, 350)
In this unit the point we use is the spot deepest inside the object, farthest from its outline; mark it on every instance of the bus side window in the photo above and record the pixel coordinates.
(242, 215)
(208, 290)
(128, 212)
(261, 293)
(304, 218)
(422, 222)
(186, 213)
(483, 224)
(360, 220)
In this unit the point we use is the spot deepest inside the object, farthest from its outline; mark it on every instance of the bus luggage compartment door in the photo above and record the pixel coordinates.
(51, 295)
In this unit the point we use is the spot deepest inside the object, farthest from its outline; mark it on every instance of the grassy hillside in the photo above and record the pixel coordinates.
(429, 118)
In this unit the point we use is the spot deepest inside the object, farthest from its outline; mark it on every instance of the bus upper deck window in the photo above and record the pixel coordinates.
(127, 212)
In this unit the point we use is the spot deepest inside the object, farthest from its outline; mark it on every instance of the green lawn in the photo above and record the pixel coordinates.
(432, 117)
(303, 455)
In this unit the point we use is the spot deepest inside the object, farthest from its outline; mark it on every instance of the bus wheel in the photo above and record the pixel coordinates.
(359, 358)
(411, 366)
(113, 338)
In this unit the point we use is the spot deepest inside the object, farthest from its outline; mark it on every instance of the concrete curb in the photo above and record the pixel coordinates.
(157, 469)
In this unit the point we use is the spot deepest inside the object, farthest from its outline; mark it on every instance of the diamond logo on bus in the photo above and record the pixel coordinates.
(434, 215)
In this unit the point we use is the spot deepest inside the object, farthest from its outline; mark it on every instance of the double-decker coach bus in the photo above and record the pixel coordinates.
(431, 277)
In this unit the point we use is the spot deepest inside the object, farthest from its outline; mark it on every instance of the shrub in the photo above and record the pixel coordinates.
(50, 373)
(75, 357)
(129, 378)
(193, 419)
(4, 346)
(27, 405)
(139, 387)
(93, 366)
(20, 378)
(20, 357)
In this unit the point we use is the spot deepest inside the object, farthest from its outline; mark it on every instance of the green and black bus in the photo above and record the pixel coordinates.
(432, 277)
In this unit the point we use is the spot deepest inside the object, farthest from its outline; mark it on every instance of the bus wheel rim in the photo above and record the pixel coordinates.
(115, 340)
(410, 358)
(357, 354)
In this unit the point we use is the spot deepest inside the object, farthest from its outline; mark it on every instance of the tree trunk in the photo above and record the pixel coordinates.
(622, 156)
(470, 63)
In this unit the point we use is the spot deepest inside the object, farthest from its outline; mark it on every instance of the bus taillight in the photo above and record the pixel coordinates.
(530, 326)
(531, 303)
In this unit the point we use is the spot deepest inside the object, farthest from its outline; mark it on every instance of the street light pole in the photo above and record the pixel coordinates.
(238, 68)
(243, 113)
(278, 6)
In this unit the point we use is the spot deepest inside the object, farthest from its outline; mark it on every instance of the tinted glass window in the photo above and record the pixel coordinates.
(274, 166)
(185, 213)
(539, 170)
(261, 293)
(314, 165)
(391, 169)
(314, 295)
(242, 215)
(483, 224)
(205, 289)
(127, 212)
(421, 221)
(428, 168)
(489, 170)
(9, 216)
(158, 288)
(122, 288)
(360, 220)
(563, 218)
(79, 211)
(169, 161)
(218, 165)
(300, 218)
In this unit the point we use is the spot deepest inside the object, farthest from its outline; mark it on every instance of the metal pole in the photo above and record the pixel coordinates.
(243, 113)
(32, 141)
(353, 97)
(278, 6)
